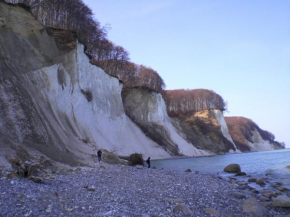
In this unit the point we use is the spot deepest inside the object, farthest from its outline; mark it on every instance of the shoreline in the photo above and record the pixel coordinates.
(213, 155)
(117, 190)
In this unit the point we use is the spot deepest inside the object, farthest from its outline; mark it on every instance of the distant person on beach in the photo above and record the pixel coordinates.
(148, 162)
(100, 155)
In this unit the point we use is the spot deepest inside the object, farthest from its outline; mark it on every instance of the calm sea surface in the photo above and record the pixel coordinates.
(270, 164)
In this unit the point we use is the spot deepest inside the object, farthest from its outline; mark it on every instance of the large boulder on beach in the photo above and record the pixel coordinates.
(282, 201)
(232, 168)
(111, 158)
(253, 207)
(136, 159)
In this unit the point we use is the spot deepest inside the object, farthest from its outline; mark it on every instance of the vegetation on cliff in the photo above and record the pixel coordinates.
(75, 16)
(188, 101)
(241, 130)
(184, 105)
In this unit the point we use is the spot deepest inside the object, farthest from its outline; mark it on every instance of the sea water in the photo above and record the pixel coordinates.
(270, 164)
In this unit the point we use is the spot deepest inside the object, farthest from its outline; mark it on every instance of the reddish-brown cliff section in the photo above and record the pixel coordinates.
(242, 132)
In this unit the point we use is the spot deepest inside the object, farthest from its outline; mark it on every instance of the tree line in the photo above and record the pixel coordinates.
(188, 101)
(75, 16)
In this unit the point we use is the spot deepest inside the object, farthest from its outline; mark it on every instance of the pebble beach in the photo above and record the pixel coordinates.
(118, 190)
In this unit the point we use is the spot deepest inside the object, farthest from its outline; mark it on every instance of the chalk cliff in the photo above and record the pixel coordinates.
(248, 136)
(148, 110)
(54, 102)
(206, 130)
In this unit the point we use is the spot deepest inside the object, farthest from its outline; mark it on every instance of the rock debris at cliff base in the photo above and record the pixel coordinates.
(108, 190)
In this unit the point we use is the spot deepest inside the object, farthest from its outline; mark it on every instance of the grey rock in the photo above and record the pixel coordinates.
(263, 198)
(283, 189)
(253, 207)
(252, 180)
(233, 168)
(242, 183)
(182, 208)
(255, 191)
(241, 174)
(277, 184)
(239, 195)
(268, 193)
(174, 200)
(139, 167)
(211, 211)
(260, 181)
(281, 201)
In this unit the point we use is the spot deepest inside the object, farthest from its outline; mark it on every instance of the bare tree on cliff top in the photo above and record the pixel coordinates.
(74, 15)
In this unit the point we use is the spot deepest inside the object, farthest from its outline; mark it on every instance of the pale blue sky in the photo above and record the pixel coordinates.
(239, 49)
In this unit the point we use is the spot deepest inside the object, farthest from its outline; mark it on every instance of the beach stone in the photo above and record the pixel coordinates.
(242, 183)
(11, 175)
(211, 211)
(188, 171)
(233, 181)
(232, 168)
(49, 208)
(263, 198)
(288, 166)
(267, 193)
(260, 181)
(244, 187)
(267, 204)
(252, 180)
(239, 195)
(241, 174)
(182, 208)
(91, 189)
(139, 167)
(174, 200)
(255, 191)
(102, 166)
(278, 184)
(252, 206)
(283, 189)
(36, 179)
(282, 201)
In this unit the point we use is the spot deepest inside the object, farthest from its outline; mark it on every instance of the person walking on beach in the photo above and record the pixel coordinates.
(100, 155)
(148, 162)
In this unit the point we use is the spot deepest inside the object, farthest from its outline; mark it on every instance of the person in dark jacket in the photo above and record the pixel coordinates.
(100, 155)
(148, 162)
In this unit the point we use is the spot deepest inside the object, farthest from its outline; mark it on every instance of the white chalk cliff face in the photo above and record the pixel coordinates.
(148, 110)
(224, 129)
(99, 121)
(259, 144)
(54, 102)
